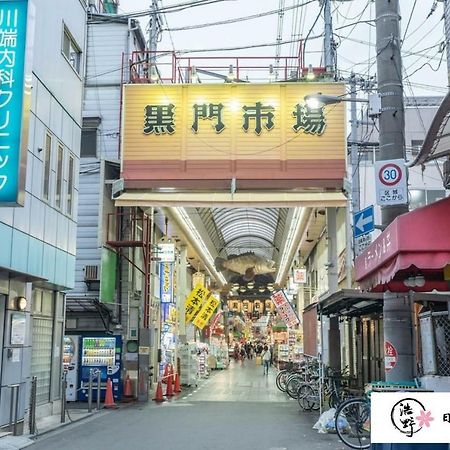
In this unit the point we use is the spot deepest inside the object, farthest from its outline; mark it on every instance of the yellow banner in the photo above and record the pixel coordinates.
(195, 300)
(206, 312)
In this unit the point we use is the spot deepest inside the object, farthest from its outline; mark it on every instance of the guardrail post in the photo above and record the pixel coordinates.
(90, 390)
(14, 408)
(63, 397)
(32, 411)
(99, 388)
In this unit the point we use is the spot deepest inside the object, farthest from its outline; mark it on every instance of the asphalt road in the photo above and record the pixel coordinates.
(236, 409)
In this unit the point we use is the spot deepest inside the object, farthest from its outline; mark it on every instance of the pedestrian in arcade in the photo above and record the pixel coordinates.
(242, 353)
(266, 357)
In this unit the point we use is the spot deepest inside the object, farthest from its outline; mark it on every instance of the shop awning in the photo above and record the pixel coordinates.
(350, 303)
(79, 306)
(410, 254)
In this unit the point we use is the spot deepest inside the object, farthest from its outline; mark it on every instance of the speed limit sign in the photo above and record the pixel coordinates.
(390, 180)
(390, 174)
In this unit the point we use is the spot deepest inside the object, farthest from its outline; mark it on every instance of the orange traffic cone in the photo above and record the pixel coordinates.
(128, 390)
(169, 388)
(166, 373)
(177, 383)
(159, 393)
(109, 399)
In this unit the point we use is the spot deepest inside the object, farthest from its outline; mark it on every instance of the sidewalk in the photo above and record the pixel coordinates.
(45, 425)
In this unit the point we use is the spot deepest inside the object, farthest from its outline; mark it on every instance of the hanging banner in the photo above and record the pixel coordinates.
(299, 276)
(194, 301)
(13, 99)
(166, 280)
(284, 309)
(206, 312)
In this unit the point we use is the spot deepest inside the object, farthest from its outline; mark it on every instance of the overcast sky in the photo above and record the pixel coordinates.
(356, 49)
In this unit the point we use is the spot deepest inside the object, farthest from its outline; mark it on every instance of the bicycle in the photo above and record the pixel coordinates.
(333, 389)
(352, 419)
(352, 422)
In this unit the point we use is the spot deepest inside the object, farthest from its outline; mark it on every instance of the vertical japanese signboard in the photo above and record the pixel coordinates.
(13, 99)
(284, 309)
(206, 312)
(166, 278)
(195, 300)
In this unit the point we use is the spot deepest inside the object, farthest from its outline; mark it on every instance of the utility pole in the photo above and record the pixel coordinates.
(397, 313)
(447, 35)
(354, 166)
(329, 43)
(153, 31)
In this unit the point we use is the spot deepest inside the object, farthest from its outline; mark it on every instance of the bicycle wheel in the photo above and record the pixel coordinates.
(292, 385)
(281, 380)
(307, 397)
(352, 422)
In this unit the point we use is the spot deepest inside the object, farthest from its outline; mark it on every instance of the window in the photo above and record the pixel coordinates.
(59, 175)
(89, 137)
(47, 166)
(70, 185)
(71, 50)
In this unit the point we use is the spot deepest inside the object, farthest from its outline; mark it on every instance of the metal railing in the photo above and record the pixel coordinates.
(94, 374)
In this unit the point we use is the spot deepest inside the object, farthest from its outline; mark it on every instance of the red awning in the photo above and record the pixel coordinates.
(415, 243)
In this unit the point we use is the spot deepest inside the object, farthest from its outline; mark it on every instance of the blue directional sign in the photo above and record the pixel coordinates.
(13, 28)
(363, 221)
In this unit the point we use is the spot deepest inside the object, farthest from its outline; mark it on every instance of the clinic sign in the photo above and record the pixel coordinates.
(13, 133)
(204, 135)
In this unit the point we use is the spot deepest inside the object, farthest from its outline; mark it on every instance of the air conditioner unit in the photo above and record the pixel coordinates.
(91, 273)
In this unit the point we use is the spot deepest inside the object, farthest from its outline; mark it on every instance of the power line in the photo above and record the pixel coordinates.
(238, 19)
(409, 21)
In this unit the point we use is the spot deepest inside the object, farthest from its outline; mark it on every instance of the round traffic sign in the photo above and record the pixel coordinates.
(390, 174)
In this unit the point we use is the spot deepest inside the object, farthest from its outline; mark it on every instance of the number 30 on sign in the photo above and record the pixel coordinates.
(390, 182)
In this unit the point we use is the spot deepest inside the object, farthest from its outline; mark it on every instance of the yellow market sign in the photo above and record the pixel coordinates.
(201, 136)
(195, 300)
(206, 312)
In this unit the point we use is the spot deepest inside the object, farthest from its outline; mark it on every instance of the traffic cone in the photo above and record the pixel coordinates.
(177, 383)
(128, 390)
(166, 373)
(159, 393)
(109, 399)
(169, 388)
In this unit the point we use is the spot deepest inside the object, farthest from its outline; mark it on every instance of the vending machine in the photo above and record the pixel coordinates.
(104, 354)
(71, 358)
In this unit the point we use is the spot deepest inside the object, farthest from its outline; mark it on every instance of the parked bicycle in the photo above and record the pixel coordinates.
(334, 390)
(352, 419)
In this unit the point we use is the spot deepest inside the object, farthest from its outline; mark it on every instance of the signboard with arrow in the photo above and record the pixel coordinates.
(363, 221)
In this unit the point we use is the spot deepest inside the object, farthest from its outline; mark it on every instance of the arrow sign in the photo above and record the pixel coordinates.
(363, 221)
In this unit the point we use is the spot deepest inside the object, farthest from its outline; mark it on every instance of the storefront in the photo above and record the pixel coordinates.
(410, 262)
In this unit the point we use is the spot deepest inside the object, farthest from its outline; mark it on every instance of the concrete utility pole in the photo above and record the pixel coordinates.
(397, 314)
(447, 35)
(328, 44)
(354, 160)
(153, 31)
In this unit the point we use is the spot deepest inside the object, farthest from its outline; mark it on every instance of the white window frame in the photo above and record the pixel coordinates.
(73, 53)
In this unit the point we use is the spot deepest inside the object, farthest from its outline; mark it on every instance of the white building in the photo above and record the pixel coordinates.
(37, 257)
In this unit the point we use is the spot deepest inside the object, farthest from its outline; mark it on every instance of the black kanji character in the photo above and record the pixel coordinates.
(159, 119)
(210, 111)
(258, 112)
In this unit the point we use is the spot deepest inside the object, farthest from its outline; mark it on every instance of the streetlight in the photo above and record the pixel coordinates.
(318, 100)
